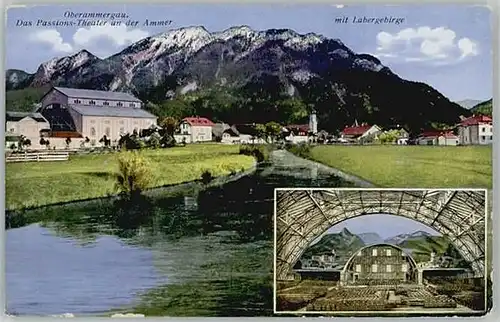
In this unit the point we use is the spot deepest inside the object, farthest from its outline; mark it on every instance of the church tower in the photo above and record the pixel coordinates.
(313, 123)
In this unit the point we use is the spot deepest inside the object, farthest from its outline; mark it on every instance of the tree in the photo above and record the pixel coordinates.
(23, 142)
(273, 130)
(292, 110)
(261, 131)
(389, 137)
(104, 140)
(134, 173)
(27, 142)
(169, 124)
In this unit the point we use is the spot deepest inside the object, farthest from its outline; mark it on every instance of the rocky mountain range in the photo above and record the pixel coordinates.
(468, 103)
(269, 65)
(345, 243)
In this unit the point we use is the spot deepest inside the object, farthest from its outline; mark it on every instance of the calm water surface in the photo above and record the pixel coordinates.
(203, 253)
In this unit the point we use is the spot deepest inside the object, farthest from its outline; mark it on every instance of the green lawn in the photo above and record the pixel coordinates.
(412, 166)
(89, 176)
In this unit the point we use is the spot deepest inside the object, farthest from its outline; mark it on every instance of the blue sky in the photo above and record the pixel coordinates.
(445, 46)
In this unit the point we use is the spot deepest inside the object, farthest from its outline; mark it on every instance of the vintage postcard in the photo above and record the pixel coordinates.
(381, 252)
(144, 143)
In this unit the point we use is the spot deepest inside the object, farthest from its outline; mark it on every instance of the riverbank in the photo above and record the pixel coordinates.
(84, 177)
(409, 166)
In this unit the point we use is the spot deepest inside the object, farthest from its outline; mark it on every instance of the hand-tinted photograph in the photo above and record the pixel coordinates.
(143, 145)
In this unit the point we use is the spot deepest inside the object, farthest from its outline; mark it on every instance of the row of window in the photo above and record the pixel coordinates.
(107, 131)
(108, 122)
(388, 252)
(388, 268)
(484, 129)
(482, 138)
(105, 103)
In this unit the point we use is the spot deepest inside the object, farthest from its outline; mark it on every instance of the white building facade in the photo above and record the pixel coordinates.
(196, 129)
(476, 130)
(94, 114)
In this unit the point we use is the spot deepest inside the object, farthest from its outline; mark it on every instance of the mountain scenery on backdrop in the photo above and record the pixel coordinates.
(419, 244)
(241, 75)
(468, 103)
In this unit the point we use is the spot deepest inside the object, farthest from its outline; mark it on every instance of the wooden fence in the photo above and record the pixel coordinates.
(37, 156)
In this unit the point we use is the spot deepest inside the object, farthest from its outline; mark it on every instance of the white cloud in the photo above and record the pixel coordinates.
(425, 44)
(100, 40)
(52, 38)
(117, 35)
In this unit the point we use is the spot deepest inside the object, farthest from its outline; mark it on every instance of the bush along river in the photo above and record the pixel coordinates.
(199, 252)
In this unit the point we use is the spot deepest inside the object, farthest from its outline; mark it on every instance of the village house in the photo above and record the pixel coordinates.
(300, 133)
(297, 133)
(224, 133)
(28, 125)
(358, 133)
(437, 137)
(93, 114)
(248, 134)
(477, 129)
(195, 129)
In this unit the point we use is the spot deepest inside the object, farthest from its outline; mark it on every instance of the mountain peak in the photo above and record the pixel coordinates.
(83, 52)
(237, 31)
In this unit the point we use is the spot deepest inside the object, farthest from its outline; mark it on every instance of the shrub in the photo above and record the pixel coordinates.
(167, 141)
(134, 173)
(260, 152)
(154, 141)
(130, 142)
(301, 150)
(206, 177)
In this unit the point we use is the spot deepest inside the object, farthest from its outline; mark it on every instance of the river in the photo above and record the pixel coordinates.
(207, 252)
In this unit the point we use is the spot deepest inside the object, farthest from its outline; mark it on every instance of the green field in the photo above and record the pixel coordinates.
(90, 176)
(412, 166)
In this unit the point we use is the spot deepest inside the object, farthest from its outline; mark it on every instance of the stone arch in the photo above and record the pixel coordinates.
(303, 215)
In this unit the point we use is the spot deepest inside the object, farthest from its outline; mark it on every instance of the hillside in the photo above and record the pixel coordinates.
(23, 100)
(344, 243)
(240, 75)
(484, 108)
(419, 244)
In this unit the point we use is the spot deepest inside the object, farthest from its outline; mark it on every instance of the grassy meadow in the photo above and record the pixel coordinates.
(33, 184)
(412, 166)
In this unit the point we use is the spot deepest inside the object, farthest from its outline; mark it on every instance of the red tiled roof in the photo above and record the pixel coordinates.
(198, 121)
(356, 130)
(298, 127)
(446, 134)
(65, 134)
(475, 120)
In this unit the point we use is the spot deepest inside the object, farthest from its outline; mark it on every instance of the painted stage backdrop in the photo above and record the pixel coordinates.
(143, 144)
